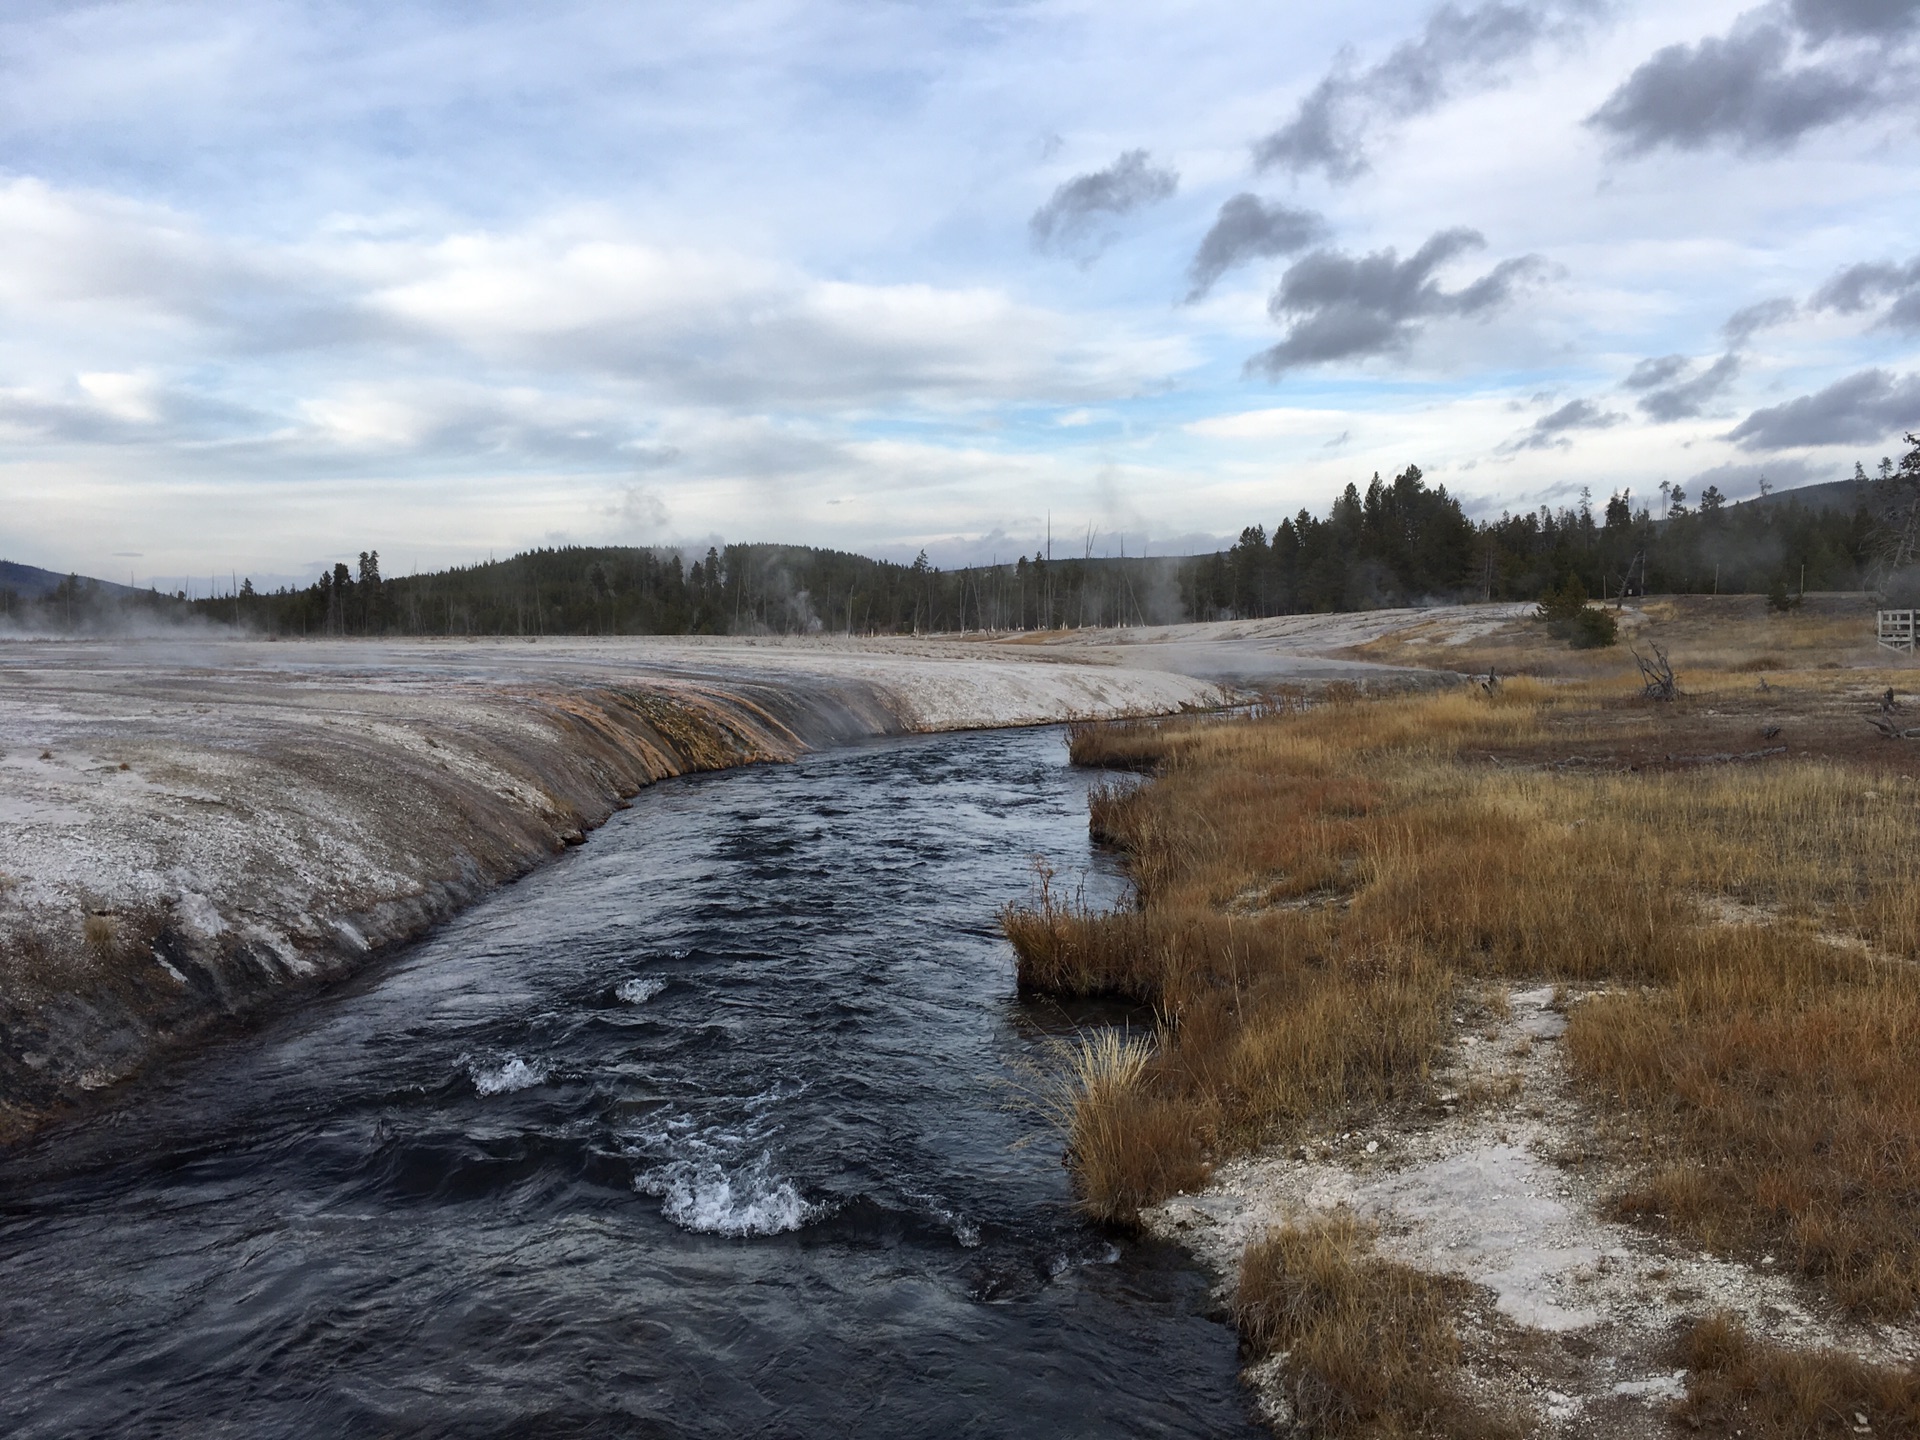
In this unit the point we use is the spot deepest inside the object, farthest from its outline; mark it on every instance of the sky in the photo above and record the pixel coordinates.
(283, 282)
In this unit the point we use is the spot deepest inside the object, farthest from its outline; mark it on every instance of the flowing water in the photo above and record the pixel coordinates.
(713, 1127)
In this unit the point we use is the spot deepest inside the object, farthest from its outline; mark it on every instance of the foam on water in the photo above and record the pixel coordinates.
(504, 1077)
(964, 1230)
(702, 1196)
(639, 989)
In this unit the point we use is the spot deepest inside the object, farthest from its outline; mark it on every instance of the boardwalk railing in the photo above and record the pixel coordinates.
(1896, 629)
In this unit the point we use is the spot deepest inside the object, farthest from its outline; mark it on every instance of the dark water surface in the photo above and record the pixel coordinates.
(702, 1130)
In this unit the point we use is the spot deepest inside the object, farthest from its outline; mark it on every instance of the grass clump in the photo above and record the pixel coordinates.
(101, 934)
(1370, 1349)
(1312, 888)
(1116, 744)
(1739, 1385)
(1129, 1143)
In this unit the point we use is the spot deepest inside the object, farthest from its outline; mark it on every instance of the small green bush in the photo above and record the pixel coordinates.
(1562, 603)
(1584, 627)
(1592, 629)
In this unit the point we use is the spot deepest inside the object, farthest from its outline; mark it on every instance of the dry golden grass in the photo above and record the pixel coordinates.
(1788, 1079)
(1128, 1144)
(1117, 744)
(102, 936)
(1727, 632)
(1312, 888)
(1369, 1345)
(1740, 1386)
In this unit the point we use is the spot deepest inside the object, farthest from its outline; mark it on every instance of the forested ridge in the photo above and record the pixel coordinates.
(1396, 542)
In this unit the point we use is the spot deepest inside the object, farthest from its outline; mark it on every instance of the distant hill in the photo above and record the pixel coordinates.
(30, 582)
(1842, 495)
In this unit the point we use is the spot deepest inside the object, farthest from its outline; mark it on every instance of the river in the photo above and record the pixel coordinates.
(717, 1126)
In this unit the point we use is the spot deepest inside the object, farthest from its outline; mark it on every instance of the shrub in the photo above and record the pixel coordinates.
(1584, 627)
(1563, 602)
(1592, 629)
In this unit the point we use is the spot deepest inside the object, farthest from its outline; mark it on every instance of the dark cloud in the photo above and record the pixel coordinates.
(1822, 20)
(1861, 287)
(1744, 323)
(1691, 397)
(1069, 218)
(1747, 88)
(1649, 373)
(1247, 229)
(1458, 47)
(1322, 134)
(1861, 409)
(1337, 306)
(1550, 430)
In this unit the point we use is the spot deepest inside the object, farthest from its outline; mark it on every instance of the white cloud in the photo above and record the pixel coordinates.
(123, 395)
(470, 277)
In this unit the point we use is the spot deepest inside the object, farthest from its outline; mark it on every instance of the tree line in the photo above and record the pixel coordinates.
(1402, 543)
(738, 589)
(1397, 542)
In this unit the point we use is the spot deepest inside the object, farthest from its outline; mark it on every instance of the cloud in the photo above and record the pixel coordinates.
(1550, 430)
(175, 328)
(1672, 392)
(1249, 228)
(1822, 20)
(1458, 47)
(1860, 287)
(717, 329)
(1863, 408)
(1068, 219)
(1649, 373)
(1747, 321)
(1690, 398)
(1742, 89)
(115, 408)
(1339, 306)
(78, 259)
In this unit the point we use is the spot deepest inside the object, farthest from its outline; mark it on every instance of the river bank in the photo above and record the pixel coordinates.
(1537, 1056)
(193, 829)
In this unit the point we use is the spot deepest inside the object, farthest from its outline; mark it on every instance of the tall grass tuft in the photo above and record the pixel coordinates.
(1128, 1144)
(1369, 1347)
(102, 935)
